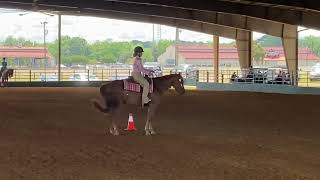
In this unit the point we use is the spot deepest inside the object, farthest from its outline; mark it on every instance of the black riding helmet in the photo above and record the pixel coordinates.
(138, 49)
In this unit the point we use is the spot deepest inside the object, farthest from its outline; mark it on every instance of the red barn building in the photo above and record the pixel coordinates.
(30, 56)
(228, 56)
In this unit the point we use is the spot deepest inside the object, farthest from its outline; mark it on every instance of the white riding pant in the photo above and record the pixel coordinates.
(144, 83)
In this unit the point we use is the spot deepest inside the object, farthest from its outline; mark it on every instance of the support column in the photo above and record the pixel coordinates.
(176, 59)
(244, 45)
(216, 58)
(290, 46)
(59, 47)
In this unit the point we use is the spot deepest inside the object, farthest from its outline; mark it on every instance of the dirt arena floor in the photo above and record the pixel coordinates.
(56, 134)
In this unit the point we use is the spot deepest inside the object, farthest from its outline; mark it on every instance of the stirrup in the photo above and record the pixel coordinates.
(146, 104)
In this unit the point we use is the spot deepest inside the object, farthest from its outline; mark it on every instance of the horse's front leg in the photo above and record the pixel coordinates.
(148, 127)
(151, 130)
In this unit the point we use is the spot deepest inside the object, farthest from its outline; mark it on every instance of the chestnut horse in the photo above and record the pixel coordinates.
(115, 96)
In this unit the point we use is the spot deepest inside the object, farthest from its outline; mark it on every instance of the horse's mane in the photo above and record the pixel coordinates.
(166, 77)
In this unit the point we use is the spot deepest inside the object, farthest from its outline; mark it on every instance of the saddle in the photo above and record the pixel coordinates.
(131, 85)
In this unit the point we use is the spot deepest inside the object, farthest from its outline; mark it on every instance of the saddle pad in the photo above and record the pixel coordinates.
(135, 87)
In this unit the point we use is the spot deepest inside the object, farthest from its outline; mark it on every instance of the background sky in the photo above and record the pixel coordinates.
(28, 25)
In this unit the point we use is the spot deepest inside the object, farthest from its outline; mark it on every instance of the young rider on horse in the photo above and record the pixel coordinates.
(138, 69)
(4, 66)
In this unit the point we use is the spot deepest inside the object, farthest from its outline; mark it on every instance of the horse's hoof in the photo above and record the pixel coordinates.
(152, 132)
(148, 133)
(114, 132)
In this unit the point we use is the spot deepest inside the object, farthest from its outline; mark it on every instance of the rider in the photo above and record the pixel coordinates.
(4, 66)
(138, 69)
(234, 76)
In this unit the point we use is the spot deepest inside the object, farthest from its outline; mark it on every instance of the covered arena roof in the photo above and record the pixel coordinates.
(219, 17)
(24, 52)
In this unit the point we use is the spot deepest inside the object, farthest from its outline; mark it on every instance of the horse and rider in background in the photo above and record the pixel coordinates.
(5, 73)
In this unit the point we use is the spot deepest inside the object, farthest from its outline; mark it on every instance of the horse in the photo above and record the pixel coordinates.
(6, 74)
(115, 97)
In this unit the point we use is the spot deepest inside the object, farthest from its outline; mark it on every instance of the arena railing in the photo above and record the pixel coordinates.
(304, 78)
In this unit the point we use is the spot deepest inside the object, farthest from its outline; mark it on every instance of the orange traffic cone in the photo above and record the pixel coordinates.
(131, 126)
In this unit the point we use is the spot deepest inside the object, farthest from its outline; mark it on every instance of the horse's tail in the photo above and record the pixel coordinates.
(99, 107)
(111, 100)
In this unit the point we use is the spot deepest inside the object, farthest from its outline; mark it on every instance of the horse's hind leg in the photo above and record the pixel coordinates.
(113, 127)
(114, 106)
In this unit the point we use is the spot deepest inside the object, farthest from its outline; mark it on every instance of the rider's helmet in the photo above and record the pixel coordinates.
(138, 49)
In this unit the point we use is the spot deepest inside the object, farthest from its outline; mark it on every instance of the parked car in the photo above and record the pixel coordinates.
(48, 77)
(252, 75)
(118, 77)
(120, 66)
(83, 77)
(187, 70)
(155, 67)
(78, 66)
(315, 72)
(260, 75)
(278, 76)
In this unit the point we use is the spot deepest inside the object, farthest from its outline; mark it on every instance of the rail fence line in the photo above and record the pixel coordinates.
(223, 76)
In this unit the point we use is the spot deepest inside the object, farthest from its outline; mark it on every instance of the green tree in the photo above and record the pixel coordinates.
(73, 50)
(99, 51)
(258, 53)
(78, 59)
(12, 41)
(311, 42)
(72, 46)
(161, 47)
(147, 55)
(269, 41)
(78, 50)
(111, 52)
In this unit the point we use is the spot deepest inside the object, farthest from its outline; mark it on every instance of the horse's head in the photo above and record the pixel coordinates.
(10, 72)
(177, 83)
